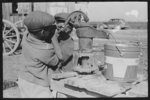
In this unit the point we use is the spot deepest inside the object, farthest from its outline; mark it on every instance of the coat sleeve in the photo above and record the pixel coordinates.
(54, 61)
(49, 58)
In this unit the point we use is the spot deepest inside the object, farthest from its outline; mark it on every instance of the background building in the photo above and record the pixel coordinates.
(96, 11)
(16, 11)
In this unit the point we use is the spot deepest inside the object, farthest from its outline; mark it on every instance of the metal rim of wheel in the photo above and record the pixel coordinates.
(11, 37)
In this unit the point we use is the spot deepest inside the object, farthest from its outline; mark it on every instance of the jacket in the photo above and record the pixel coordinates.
(39, 61)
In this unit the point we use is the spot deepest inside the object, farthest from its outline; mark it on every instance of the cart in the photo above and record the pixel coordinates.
(13, 32)
(12, 35)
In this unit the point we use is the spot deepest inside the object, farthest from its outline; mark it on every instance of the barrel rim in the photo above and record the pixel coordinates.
(119, 44)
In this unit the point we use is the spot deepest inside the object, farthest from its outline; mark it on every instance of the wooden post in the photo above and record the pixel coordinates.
(6, 10)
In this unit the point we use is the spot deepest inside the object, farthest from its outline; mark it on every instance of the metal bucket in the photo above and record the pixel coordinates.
(122, 61)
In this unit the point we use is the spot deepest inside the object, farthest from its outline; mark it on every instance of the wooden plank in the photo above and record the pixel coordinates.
(40, 6)
(64, 75)
(59, 86)
(140, 90)
(6, 10)
(96, 84)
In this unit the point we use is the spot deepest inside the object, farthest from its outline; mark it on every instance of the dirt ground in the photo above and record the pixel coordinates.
(12, 63)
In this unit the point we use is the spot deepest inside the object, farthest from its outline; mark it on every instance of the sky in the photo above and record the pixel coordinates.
(130, 11)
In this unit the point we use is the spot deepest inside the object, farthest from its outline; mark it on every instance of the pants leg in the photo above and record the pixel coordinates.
(30, 90)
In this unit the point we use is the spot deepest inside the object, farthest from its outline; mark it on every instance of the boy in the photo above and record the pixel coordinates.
(39, 56)
(65, 41)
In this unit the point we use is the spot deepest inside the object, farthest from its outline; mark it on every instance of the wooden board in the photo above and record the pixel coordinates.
(96, 84)
(140, 90)
(64, 75)
(60, 88)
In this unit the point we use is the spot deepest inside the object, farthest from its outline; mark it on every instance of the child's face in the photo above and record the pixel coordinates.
(49, 32)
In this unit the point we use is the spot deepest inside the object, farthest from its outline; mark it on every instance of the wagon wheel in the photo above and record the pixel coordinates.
(11, 37)
(75, 18)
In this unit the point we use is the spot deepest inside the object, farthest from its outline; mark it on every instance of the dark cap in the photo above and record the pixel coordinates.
(38, 20)
(61, 16)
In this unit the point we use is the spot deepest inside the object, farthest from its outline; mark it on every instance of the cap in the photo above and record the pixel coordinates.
(61, 16)
(38, 20)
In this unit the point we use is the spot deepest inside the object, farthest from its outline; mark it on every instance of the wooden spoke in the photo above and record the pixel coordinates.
(4, 29)
(10, 41)
(10, 36)
(8, 45)
(9, 31)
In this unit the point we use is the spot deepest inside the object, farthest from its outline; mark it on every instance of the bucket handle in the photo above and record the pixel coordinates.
(121, 54)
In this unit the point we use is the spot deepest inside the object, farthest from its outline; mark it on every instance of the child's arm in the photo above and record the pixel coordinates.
(56, 45)
(48, 58)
